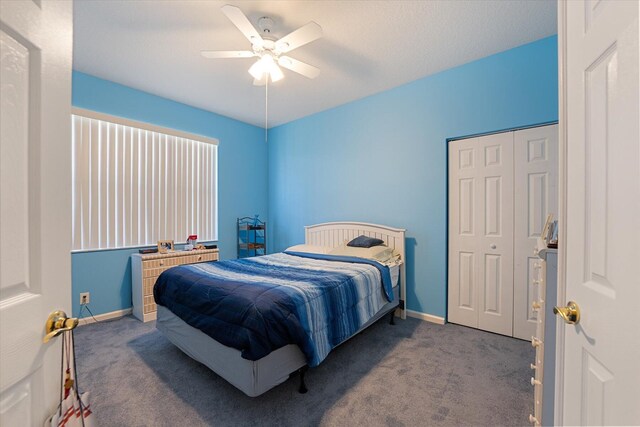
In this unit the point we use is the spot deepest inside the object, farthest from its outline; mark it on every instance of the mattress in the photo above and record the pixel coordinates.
(251, 377)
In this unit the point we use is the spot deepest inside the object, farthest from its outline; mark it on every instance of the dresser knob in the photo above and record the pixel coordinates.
(535, 342)
(199, 257)
(535, 306)
(534, 367)
(535, 381)
(161, 263)
(532, 419)
(536, 282)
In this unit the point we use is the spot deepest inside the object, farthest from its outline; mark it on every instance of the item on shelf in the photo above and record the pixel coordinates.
(211, 246)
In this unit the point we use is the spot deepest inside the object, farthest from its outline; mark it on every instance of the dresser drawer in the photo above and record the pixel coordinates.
(147, 287)
(155, 272)
(209, 257)
(163, 263)
(149, 304)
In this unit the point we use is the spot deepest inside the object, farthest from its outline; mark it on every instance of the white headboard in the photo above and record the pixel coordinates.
(334, 234)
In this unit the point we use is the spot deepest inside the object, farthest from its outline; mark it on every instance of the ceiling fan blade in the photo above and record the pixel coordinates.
(299, 67)
(240, 20)
(217, 54)
(301, 36)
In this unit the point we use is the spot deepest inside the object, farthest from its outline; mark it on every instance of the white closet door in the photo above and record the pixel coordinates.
(481, 232)
(463, 232)
(536, 195)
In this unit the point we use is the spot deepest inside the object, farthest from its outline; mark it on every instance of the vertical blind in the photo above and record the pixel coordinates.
(134, 186)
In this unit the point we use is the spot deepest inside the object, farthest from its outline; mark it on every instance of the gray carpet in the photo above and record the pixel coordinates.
(414, 373)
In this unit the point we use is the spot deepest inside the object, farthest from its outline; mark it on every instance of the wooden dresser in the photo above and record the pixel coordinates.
(145, 270)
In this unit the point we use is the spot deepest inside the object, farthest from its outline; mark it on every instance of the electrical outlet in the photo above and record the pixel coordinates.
(85, 298)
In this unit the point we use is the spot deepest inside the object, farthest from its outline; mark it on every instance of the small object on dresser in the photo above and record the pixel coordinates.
(553, 235)
(211, 246)
(545, 230)
(192, 242)
(148, 251)
(165, 246)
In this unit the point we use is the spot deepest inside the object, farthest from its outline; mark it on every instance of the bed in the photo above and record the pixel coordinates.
(272, 366)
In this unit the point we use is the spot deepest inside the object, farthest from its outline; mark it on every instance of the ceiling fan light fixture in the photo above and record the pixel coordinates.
(275, 72)
(266, 66)
(257, 70)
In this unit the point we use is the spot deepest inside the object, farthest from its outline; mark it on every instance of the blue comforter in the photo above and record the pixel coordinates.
(260, 304)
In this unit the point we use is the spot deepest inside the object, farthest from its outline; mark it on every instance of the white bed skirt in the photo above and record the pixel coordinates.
(251, 377)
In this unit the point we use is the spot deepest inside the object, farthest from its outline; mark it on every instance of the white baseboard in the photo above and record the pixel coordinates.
(428, 317)
(105, 316)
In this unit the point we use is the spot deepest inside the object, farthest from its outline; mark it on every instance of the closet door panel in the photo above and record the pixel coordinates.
(463, 269)
(494, 244)
(536, 177)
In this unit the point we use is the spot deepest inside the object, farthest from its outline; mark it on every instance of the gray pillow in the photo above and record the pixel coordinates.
(365, 242)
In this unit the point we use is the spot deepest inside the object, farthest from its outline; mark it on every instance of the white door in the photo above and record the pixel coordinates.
(536, 195)
(481, 232)
(35, 202)
(601, 366)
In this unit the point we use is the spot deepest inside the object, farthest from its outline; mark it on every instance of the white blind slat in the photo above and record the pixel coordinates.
(133, 187)
(125, 157)
(95, 213)
(76, 151)
(112, 171)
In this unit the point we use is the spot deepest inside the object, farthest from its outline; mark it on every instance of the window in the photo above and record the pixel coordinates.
(135, 184)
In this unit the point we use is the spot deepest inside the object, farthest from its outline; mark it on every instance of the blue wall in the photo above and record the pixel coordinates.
(242, 180)
(382, 159)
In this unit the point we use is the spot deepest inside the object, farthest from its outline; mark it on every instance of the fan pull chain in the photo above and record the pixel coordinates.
(266, 107)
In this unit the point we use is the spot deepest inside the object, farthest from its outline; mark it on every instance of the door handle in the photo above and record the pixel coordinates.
(493, 246)
(570, 314)
(57, 323)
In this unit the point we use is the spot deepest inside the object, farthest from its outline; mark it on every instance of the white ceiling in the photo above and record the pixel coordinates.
(367, 47)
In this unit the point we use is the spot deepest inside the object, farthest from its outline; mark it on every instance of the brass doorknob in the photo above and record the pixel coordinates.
(57, 323)
(570, 314)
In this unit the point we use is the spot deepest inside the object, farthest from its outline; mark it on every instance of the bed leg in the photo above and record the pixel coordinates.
(392, 318)
(303, 387)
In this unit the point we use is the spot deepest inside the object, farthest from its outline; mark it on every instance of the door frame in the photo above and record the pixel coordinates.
(475, 135)
(562, 209)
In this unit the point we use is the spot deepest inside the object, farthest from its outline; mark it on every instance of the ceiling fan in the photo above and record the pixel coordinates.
(267, 49)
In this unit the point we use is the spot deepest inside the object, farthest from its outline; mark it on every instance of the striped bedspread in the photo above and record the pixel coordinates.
(260, 304)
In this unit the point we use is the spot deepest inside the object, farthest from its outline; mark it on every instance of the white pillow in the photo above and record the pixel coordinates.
(312, 249)
(378, 253)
